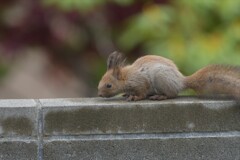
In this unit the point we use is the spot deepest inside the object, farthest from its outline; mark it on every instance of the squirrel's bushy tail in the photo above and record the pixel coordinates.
(215, 79)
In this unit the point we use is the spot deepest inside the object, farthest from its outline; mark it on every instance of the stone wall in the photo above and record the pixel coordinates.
(108, 129)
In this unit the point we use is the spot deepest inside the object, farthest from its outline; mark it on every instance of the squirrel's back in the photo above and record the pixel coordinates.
(216, 79)
(154, 59)
(161, 73)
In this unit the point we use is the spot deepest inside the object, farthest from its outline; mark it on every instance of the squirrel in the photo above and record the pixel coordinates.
(157, 78)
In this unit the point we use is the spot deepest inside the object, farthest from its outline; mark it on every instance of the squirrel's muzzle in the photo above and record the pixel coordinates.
(101, 94)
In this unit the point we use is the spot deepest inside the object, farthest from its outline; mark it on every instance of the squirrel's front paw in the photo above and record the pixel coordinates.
(134, 98)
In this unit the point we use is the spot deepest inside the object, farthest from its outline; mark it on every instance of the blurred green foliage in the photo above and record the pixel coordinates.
(83, 5)
(192, 33)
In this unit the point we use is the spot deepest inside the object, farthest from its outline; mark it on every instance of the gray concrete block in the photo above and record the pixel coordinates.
(94, 128)
(210, 148)
(114, 116)
(18, 118)
(18, 150)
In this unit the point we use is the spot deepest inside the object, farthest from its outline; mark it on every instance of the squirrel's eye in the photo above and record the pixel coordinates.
(108, 85)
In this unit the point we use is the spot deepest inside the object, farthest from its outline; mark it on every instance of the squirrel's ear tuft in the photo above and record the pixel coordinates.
(115, 60)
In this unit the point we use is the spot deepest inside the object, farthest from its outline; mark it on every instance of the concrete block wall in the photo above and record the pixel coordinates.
(109, 129)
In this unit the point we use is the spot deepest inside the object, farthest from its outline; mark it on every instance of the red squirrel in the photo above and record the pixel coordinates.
(158, 78)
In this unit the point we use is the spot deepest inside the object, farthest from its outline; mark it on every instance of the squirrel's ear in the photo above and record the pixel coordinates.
(115, 60)
(117, 73)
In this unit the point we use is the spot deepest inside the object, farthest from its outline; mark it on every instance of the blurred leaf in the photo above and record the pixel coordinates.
(150, 25)
(81, 5)
(124, 2)
(229, 9)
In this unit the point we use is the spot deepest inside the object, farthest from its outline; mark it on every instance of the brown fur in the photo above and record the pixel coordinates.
(148, 76)
(216, 79)
(158, 78)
